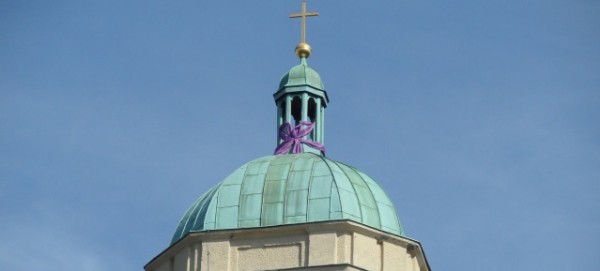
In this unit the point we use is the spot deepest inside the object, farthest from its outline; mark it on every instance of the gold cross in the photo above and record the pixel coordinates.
(303, 15)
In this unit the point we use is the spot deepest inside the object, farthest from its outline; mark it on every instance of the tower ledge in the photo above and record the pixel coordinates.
(330, 245)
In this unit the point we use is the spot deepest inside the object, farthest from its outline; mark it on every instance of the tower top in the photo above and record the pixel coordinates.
(303, 50)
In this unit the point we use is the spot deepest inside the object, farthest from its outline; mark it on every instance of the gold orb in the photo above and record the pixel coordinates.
(303, 50)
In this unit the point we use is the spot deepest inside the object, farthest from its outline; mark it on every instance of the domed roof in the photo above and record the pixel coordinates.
(302, 75)
(289, 189)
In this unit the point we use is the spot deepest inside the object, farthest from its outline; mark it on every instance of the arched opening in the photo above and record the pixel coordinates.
(297, 109)
(312, 110)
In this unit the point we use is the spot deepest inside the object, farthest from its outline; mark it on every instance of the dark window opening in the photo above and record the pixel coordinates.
(297, 109)
(283, 111)
(312, 110)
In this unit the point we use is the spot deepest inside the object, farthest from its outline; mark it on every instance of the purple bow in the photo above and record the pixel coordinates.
(293, 138)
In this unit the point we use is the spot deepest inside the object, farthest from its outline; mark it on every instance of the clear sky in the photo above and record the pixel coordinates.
(479, 118)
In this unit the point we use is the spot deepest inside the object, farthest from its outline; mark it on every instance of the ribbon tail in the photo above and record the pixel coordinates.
(297, 146)
(284, 147)
(314, 145)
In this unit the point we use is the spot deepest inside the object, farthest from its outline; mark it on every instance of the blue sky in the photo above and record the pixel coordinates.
(479, 118)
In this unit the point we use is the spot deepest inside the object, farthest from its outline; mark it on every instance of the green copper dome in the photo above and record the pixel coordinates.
(302, 75)
(289, 189)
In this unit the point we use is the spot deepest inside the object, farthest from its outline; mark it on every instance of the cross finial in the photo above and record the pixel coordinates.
(303, 49)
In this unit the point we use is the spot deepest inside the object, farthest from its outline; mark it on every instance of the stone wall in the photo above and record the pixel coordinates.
(339, 245)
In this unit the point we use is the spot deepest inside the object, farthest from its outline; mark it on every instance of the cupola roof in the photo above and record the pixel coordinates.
(302, 75)
(290, 189)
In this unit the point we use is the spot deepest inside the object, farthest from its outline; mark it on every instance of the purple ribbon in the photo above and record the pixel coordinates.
(293, 138)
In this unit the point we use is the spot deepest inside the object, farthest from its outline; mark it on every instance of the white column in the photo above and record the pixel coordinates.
(279, 118)
(318, 124)
(288, 109)
(322, 125)
(304, 112)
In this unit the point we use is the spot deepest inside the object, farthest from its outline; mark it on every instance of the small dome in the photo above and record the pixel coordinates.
(290, 189)
(302, 75)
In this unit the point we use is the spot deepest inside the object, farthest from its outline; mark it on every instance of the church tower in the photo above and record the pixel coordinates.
(296, 209)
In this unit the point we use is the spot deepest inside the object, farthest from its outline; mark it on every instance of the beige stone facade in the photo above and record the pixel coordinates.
(331, 245)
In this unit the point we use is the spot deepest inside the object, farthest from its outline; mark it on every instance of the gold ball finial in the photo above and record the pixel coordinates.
(303, 50)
